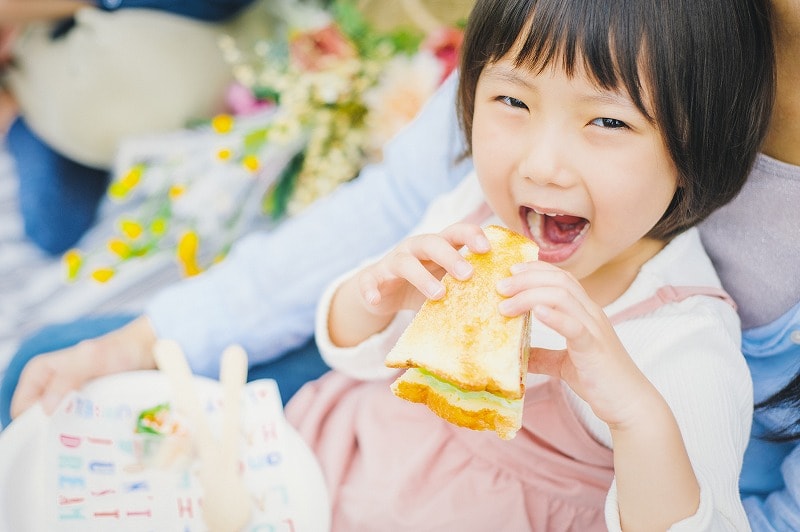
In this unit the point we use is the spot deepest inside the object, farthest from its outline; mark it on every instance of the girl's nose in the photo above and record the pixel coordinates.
(545, 158)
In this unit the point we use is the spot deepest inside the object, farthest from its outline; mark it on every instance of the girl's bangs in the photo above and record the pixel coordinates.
(603, 36)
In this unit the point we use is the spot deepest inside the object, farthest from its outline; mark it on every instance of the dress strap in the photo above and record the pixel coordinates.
(669, 294)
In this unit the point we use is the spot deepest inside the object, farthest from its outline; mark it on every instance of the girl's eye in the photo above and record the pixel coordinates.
(512, 102)
(612, 123)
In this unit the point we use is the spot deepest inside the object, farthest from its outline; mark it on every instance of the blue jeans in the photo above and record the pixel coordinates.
(58, 197)
(290, 371)
(209, 10)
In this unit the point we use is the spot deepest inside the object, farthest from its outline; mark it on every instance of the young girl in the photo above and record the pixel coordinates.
(595, 133)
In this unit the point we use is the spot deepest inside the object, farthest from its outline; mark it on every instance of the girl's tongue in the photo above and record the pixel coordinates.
(558, 237)
(562, 228)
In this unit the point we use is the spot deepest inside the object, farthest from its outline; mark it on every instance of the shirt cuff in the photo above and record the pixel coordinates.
(364, 361)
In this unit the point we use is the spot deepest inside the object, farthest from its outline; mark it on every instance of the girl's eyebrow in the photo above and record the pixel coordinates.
(610, 97)
(508, 74)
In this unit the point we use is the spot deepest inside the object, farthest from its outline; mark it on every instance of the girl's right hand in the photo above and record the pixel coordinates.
(367, 302)
(51, 376)
(411, 273)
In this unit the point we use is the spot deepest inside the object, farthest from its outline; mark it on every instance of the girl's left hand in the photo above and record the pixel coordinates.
(594, 364)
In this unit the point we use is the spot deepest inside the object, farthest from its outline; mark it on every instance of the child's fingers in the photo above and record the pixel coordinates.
(524, 288)
(421, 261)
(574, 331)
(368, 288)
(435, 254)
(30, 389)
(409, 266)
(546, 361)
(469, 235)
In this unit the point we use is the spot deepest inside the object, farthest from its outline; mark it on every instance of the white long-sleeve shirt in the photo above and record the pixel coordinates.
(689, 351)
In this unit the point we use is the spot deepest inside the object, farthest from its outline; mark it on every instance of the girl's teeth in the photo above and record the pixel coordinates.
(545, 213)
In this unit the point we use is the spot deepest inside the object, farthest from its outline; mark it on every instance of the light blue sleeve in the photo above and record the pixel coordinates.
(780, 510)
(264, 295)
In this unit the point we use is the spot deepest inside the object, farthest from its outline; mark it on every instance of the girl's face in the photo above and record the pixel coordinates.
(577, 168)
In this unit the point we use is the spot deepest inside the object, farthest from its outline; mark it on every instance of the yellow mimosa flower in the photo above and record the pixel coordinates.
(118, 191)
(222, 123)
(131, 229)
(73, 260)
(191, 269)
(119, 247)
(251, 163)
(188, 245)
(224, 154)
(134, 175)
(103, 275)
(176, 191)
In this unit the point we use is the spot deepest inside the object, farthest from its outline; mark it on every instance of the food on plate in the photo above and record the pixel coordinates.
(165, 439)
(466, 361)
(157, 420)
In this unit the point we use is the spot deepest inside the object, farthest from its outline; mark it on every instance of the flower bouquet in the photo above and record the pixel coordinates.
(310, 107)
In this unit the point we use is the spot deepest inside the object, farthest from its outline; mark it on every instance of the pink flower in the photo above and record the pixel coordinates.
(445, 44)
(318, 49)
(241, 101)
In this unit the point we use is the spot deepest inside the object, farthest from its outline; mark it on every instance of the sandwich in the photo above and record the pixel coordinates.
(465, 361)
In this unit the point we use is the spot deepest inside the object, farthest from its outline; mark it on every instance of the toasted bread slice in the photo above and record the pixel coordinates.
(468, 351)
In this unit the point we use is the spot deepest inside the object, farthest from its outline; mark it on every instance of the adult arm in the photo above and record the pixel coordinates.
(263, 296)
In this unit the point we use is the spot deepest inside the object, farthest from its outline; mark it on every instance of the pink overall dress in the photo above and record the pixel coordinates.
(394, 466)
(391, 465)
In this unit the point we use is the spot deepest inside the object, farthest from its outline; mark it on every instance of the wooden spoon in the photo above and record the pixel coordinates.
(226, 500)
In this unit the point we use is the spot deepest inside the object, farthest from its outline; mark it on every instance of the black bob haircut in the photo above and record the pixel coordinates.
(708, 66)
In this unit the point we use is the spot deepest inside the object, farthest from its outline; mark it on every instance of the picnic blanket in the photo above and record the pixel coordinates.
(34, 289)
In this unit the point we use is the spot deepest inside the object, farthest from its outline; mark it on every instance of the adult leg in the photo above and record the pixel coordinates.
(292, 370)
(48, 339)
(58, 197)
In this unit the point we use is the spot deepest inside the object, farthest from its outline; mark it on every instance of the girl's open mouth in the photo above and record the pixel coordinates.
(557, 235)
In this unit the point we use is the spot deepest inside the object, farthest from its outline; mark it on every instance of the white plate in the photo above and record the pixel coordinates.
(31, 497)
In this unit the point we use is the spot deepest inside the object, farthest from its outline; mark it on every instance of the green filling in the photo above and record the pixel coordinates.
(443, 386)
(152, 420)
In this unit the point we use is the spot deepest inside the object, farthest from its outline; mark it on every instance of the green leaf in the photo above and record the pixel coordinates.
(255, 140)
(277, 198)
(267, 94)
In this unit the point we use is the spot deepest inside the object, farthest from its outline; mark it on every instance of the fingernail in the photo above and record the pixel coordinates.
(372, 297)
(463, 269)
(481, 244)
(504, 306)
(435, 290)
(503, 285)
(516, 268)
